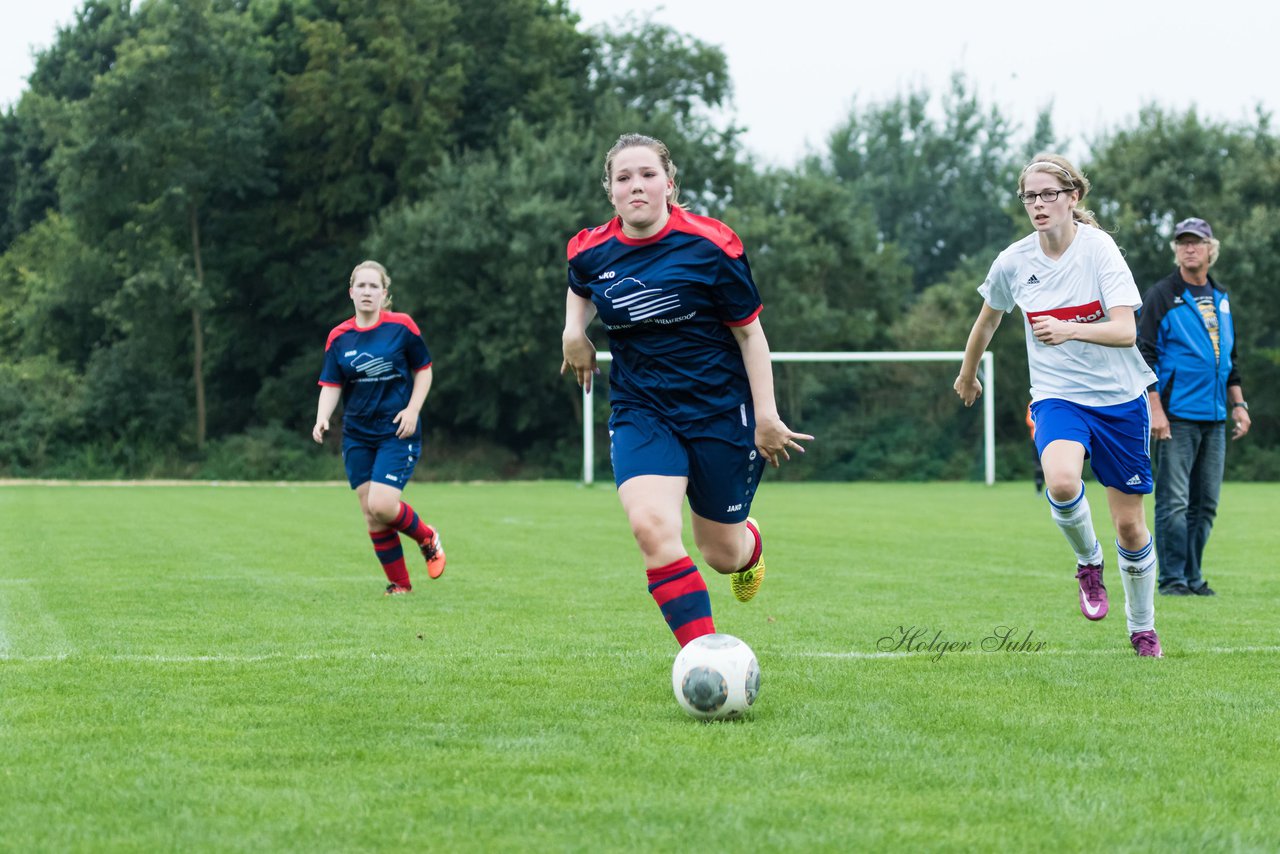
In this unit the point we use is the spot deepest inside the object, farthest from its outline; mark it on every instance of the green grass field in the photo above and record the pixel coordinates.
(202, 668)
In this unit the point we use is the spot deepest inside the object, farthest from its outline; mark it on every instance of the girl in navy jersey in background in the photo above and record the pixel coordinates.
(380, 367)
(1088, 381)
(691, 382)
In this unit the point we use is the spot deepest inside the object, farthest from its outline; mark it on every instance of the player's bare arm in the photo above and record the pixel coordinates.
(579, 352)
(967, 385)
(329, 396)
(774, 439)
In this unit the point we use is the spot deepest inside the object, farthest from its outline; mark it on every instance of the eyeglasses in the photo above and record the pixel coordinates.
(1190, 244)
(1047, 196)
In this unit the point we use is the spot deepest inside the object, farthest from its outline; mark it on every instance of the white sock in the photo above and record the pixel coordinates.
(1138, 574)
(1076, 523)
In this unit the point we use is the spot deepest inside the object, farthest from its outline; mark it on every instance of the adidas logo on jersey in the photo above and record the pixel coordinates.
(1136, 480)
(1033, 280)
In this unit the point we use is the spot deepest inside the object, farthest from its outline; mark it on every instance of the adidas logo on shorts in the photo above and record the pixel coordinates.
(1136, 480)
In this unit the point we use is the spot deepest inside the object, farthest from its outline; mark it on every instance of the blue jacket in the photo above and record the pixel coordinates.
(1172, 337)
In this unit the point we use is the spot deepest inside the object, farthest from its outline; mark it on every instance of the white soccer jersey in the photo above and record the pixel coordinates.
(1080, 287)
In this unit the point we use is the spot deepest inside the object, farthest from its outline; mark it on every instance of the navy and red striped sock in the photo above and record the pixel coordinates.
(681, 593)
(386, 545)
(408, 523)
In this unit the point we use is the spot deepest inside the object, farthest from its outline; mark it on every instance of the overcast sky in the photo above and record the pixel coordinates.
(799, 65)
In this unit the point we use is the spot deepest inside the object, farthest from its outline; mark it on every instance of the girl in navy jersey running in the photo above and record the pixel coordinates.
(1088, 381)
(691, 383)
(378, 364)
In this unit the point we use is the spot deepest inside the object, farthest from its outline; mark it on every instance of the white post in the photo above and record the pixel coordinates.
(589, 429)
(989, 415)
(588, 438)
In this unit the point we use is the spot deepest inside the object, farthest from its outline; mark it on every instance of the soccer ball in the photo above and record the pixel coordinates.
(716, 677)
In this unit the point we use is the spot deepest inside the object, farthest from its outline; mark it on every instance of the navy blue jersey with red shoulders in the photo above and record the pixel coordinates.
(667, 303)
(374, 366)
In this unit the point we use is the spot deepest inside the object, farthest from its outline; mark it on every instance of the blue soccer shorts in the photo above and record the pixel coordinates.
(1116, 439)
(390, 461)
(717, 454)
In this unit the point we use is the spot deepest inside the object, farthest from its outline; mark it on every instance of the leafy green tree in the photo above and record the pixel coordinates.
(189, 184)
(175, 133)
(829, 281)
(370, 92)
(63, 72)
(521, 59)
(938, 189)
(480, 264)
(11, 133)
(397, 94)
(482, 254)
(51, 287)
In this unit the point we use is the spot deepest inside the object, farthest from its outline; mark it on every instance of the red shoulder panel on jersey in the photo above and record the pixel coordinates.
(342, 327)
(704, 226)
(591, 237)
(400, 318)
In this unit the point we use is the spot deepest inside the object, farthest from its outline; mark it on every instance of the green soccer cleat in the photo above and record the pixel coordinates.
(746, 583)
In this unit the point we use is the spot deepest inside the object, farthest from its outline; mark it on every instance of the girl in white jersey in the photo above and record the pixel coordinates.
(1088, 381)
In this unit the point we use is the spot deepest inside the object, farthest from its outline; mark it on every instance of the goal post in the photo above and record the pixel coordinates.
(987, 373)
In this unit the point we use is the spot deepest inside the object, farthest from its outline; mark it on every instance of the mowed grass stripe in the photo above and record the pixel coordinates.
(850, 654)
(28, 629)
(235, 681)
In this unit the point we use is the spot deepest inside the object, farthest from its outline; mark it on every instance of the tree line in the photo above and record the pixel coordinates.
(186, 186)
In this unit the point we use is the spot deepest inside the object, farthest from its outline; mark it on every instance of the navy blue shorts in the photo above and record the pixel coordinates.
(1116, 439)
(390, 461)
(718, 455)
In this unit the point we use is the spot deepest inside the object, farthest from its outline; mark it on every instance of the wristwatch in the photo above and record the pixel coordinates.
(1241, 404)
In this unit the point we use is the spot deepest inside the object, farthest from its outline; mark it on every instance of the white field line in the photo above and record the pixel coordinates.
(353, 656)
(926, 653)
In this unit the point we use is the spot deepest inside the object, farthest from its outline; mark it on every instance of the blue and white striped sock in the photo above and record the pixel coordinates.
(1138, 574)
(1076, 522)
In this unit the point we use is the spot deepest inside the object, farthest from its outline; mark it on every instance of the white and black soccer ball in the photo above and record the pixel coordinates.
(716, 677)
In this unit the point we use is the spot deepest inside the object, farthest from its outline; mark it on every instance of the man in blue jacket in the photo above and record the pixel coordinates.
(1187, 335)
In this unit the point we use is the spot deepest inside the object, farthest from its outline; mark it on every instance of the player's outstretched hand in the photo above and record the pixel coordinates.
(775, 440)
(580, 358)
(968, 388)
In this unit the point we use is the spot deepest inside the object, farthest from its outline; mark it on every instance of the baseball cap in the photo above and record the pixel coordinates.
(1193, 225)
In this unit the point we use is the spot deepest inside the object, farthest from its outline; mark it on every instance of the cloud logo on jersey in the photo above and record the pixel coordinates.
(371, 366)
(1087, 313)
(639, 301)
